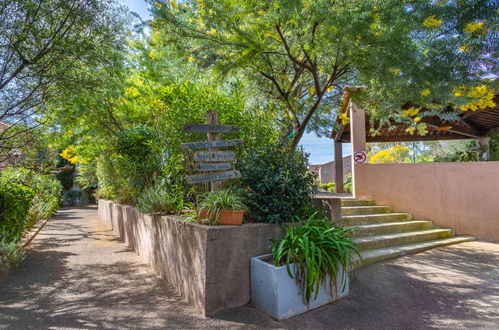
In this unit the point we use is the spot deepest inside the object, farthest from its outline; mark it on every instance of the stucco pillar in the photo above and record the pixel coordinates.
(338, 166)
(357, 136)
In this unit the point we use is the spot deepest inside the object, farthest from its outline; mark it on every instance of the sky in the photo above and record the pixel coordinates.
(320, 150)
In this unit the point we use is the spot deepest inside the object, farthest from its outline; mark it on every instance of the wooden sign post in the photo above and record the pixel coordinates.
(213, 160)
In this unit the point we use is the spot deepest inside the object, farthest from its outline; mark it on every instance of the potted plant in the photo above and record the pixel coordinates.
(223, 207)
(308, 268)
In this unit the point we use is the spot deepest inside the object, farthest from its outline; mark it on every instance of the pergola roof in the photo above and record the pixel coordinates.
(471, 125)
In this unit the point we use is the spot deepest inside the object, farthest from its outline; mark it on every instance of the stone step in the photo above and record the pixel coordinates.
(356, 202)
(362, 210)
(355, 220)
(381, 241)
(387, 253)
(390, 227)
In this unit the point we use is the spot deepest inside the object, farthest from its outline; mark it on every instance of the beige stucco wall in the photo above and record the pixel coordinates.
(462, 196)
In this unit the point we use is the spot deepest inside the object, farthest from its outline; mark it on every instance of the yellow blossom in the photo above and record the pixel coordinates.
(70, 154)
(417, 119)
(395, 71)
(344, 119)
(425, 92)
(212, 31)
(410, 130)
(473, 27)
(464, 48)
(432, 22)
(411, 112)
(484, 98)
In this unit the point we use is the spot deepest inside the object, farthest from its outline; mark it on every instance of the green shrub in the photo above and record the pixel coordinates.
(11, 254)
(347, 184)
(160, 199)
(276, 183)
(25, 198)
(330, 187)
(317, 248)
(15, 202)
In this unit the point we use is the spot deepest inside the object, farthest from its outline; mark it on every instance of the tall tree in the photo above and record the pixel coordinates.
(48, 48)
(302, 53)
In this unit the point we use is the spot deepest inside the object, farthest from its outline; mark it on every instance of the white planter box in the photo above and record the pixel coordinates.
(275, 293)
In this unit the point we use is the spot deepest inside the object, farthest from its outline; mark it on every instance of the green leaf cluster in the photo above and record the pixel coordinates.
(275, 181)
(321, 254)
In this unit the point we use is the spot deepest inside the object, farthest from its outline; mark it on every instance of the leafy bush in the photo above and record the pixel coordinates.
(11, 254)
(331, 186)
(317, 248)
(15, 202)
(347, 183)
(216, 201)
(160, 199)
(276, 183)
(25, 198)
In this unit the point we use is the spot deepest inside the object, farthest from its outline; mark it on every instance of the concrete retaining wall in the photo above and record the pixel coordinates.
(462, 196)
(208, 265)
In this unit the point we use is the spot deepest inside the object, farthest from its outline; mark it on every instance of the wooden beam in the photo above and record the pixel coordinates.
(466, 132)
(217, 176)
(339, 133)
(213, 166)
(409, 138)
(214, 156)
(210, 144)
(213, 128)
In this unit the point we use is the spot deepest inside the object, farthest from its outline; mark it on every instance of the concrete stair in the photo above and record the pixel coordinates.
(382, 234)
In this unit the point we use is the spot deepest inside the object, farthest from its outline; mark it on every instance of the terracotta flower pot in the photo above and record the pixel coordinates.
(231, 217)
(227, 217)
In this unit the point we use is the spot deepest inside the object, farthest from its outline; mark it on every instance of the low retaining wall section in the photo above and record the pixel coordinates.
(208, 265)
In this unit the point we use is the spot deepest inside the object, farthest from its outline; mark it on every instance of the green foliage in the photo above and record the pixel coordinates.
(318, 249)
(347, 183)
(25, 198)
(213, 202)
(275, 182)
(86, 178)
(65, 177)
(160, 199)
(15, 202)
(299, 54)
(330, 187)
(11, 254)
(494, 147)
(50, 49)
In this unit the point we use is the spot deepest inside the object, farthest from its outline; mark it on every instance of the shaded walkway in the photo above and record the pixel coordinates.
(78, 275)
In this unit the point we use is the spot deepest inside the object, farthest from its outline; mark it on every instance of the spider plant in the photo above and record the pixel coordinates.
(214, 202)
(318, 249)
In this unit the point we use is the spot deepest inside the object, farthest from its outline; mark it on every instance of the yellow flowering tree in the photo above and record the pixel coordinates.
(299, 54)
(395, 154)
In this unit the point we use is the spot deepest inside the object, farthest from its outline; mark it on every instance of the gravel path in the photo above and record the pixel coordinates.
(79, 276)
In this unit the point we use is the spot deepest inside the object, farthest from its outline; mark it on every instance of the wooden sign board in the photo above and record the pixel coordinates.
(210, 144)
(207, 128)
(217, 176)
(214, 156)
(214, 167)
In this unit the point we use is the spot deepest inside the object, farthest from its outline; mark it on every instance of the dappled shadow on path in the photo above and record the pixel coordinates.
(446, 288)
(77, 275)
